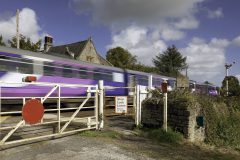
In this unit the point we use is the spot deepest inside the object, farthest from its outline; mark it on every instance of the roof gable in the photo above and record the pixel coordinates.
(75, 48)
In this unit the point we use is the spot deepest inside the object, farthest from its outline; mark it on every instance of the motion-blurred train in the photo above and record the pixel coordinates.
(16, 65)
(201, 88)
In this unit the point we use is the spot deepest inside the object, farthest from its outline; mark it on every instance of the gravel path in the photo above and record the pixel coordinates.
(71, 148)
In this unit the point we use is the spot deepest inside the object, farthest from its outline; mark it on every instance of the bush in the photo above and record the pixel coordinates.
(170, 136)
(222, 120)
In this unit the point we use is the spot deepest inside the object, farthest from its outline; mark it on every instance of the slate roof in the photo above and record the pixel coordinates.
(74, 50)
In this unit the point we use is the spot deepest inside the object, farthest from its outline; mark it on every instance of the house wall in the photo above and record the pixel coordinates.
(89, 54)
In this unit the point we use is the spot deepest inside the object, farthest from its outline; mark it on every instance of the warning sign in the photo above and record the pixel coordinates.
(121, 104)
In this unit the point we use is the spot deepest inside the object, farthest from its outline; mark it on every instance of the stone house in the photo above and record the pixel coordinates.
(81, 51)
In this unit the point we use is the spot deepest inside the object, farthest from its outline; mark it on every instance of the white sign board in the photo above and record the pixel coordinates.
(121, 104)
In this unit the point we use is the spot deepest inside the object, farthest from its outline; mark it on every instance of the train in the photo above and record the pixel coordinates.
(203, 88)
(17, 64)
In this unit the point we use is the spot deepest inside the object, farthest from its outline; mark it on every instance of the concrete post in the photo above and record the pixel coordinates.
(101, 114)
(165, 112)
(137, 122)
(150, 80)
(164, 90)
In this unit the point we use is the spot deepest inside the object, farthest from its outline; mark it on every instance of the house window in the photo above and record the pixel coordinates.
(90, 58)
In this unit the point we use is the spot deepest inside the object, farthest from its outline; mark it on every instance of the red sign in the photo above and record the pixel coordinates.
(32, 111)
(164, 87)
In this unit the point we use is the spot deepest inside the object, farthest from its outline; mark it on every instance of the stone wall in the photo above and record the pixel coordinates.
(181, 117)
(89, 54)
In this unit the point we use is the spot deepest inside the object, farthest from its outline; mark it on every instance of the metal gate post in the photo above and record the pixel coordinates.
(101, 116)
(96, 106)
(59, 109)
(137, 105)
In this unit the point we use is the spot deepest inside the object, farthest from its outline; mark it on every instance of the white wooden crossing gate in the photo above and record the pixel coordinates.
(20, 125)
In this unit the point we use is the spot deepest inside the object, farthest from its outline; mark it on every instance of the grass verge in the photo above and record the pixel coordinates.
(103, 133)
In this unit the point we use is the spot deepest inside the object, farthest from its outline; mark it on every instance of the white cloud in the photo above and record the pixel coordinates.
(236, 41)
(139, 43)
(172, 34)
(163, 18)
(218, 13)
(206, 59)
(189, 22)
(28, 25)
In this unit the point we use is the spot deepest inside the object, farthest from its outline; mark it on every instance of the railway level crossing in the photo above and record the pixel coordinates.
(48, 116)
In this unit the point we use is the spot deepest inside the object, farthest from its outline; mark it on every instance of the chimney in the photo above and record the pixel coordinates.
(48, 43)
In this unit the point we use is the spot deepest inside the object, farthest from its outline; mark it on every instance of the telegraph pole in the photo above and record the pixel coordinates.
(17, 28)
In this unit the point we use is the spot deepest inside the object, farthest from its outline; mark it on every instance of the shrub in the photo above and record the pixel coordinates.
(170, 136)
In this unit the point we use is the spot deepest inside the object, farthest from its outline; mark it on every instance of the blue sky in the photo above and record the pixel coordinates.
(205, 31)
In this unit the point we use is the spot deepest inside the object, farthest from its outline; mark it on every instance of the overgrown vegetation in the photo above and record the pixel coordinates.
(221, 114)
(159, 135)
(222, 120)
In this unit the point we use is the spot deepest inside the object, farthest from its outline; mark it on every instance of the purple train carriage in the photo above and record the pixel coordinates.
(200, 88)
(16, 65)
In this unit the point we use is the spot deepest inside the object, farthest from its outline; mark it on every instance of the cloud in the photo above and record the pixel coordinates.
(139, 42)
(143, 27)
(236, 41)
(218, 13)
(206, 59)
(172, 34)
(140, 11)
(28, 25)
(189, 22)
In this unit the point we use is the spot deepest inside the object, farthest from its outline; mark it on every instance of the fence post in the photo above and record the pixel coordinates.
(137, 105)
(149, 86)
(101, 114)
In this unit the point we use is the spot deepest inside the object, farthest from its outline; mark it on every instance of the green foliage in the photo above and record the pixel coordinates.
(25, 43)
(233, 86)
(1, 41)
(222, 121)
(170, 62)
(170, 136)
(121, 58)
(143, 68)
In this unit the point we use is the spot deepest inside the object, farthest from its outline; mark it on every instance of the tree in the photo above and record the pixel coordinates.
(121, 58)
(25, 43)
(206, 82)
(170, 62)
(1, 41)
(144, 68)
(233, 86)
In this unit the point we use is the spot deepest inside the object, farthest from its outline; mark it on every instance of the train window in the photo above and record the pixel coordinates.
(25, 68)
(82, 73)
(108, 77)
(48, 71)
(143, 80)
(8, 66)
(97, 76)
(102, 75)
(67, 71)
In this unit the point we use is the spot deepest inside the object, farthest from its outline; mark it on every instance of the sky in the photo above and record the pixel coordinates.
(205, 31)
